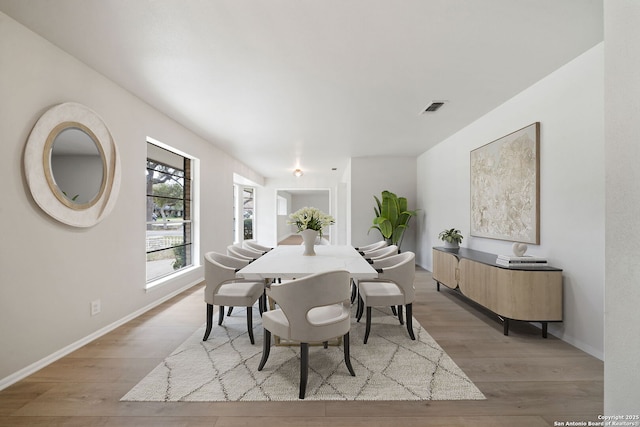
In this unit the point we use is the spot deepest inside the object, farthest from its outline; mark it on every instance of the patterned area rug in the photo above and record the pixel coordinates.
(225, 368)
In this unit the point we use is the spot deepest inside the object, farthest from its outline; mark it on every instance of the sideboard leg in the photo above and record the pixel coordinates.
(505, 323)
(544, 329)
(437, 286)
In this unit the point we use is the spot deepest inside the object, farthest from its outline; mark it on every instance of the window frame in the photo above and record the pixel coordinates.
(188, 222)
(238, 213)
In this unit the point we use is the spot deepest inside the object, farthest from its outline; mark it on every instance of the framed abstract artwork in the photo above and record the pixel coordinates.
(505, 187)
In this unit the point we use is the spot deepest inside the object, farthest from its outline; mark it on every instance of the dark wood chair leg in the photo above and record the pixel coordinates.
(266, 348)
(220, 315)
(347, 355)
(368, 327)
(261, 305)
(265, 305)
(325, 344)
(400, 315)
(393, 310)
(410, 321)
(304, 368)
(250, 324)
(209, 322)
(354, 291)
(360, 308)
(229, 311)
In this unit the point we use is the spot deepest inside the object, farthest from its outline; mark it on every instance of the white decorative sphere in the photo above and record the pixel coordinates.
(519, 249)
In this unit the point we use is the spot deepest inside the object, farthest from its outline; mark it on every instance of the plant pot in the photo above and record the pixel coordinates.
(451, 245)
(309, 238)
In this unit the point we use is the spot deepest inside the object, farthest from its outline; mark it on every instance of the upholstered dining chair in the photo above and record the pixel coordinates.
(224, 289)
(371, 256)
(255, 246)
(372, 247)
(380, 253)
(393, 287)
(312, 309)
(243, 253)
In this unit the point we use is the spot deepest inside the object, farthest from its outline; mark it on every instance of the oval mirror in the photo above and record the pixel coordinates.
(74, 165)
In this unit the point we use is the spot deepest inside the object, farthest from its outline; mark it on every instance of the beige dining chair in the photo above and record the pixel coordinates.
(312, 309)
(243, 253)
(224, 289)
(372, 247)
(393, 287)
(371, 256)
(255, 246)
(380, 253)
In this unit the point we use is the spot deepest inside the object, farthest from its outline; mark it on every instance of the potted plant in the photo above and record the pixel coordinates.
(392, 217)
(451, 238)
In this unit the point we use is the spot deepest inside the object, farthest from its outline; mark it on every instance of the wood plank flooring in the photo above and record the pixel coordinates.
(528, 381)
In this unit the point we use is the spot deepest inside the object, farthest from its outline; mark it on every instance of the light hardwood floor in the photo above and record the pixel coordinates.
(528, 381)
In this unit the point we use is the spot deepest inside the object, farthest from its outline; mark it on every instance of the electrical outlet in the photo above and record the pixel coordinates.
(95, 307)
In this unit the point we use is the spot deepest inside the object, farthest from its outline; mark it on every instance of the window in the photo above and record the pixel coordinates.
(168, 214)
(281, 205)
(243, 213)
(247, 212)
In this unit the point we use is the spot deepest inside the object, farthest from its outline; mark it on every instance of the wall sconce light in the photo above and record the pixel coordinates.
(297, 173)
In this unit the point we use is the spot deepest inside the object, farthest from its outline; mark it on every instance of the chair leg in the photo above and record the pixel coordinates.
(220, 315)
(360, 308)
(400, 315)
(325, 344)
(229, 311)
(393, 310)
(347, 355)
(368, 328)
(266, 348)
(354, 291)
(260, 305)
(410, 321)
(209, 322)
(265, 305)
(304, 368)
(250, 324)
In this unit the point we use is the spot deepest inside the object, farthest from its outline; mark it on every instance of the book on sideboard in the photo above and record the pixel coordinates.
(520, 261)
(525, 258)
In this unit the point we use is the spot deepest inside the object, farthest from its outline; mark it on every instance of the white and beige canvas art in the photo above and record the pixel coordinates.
(505, 187)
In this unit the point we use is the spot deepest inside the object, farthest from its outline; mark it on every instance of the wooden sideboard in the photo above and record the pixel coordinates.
(532, 294)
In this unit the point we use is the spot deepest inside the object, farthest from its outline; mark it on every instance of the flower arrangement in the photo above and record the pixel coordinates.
(310, 219)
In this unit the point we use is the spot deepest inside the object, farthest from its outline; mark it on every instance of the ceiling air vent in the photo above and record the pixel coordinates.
(433, 107)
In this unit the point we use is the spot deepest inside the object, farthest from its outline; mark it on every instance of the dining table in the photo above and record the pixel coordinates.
(288, 262)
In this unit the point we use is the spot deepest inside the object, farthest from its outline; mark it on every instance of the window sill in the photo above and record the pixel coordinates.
(170, 278)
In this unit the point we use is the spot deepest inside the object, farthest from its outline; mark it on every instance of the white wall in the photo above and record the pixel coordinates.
(569, 105)
(622, 128)
(49, 272)
(370, 176)
(320, 201)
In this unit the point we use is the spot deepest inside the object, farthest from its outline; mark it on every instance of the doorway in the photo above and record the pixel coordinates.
(289, 200)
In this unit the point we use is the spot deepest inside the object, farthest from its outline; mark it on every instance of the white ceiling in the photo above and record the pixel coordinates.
(282, 84)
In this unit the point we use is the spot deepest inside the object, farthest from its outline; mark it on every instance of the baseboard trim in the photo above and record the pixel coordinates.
(36, 366)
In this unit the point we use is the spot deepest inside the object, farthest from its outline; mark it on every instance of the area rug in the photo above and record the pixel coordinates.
(225, 368)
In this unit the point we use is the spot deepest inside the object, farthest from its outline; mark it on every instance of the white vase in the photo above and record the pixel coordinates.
(309, 238)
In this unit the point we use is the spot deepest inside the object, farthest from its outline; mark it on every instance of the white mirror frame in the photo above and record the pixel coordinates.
(38, 173)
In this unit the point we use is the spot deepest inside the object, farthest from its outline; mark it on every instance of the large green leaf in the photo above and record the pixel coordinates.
(392, 217)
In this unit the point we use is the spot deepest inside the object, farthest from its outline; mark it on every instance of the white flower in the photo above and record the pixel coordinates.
(311, 219)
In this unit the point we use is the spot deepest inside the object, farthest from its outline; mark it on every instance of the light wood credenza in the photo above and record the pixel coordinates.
(532, 294)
